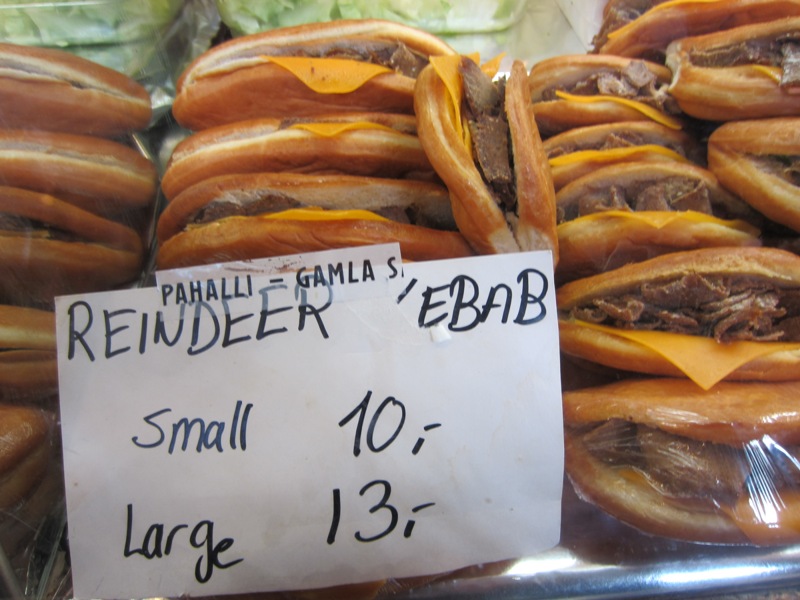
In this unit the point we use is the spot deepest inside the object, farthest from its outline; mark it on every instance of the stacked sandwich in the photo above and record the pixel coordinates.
(73, 191)
(304, 139)
(692, 430)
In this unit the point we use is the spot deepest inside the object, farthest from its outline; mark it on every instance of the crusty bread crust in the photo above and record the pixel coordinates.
(733, 151)
(241, 238)
(36, 267)
(651, 33)
(342, 192)
(235, 81)
(24, 451)
(638, 504)
(479, 218)
(778, 266)
(28, 367)
(641, 134)
(601, 242)
(261, 145)
(95, 174)
(51, 89)
(729, 413)
(730, 93)
(733, 414)
(556, 116)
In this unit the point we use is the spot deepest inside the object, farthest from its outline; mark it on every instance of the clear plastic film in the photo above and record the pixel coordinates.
(669, 458)
(79, 194)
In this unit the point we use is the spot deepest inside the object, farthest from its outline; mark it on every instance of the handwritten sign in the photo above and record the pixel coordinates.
(286, 434)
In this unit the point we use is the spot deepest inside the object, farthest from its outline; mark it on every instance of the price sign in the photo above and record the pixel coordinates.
(334, 418)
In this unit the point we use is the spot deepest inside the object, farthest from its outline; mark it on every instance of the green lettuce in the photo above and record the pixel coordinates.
(63, 23)
(439, 16)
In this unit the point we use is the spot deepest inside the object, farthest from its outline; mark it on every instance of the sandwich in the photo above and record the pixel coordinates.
(616, 15)
(49, 247)
(28, 370)
(747, 72)
(633, 211)
(670, 459)
(588, 89)
(25, 451)
(243, 216)
(577, 152)
(760, 161)
(98, 175)
(483, 142)
(344, 65)
(366, 144)
(54, 90)
(644, 28)
(710, 314)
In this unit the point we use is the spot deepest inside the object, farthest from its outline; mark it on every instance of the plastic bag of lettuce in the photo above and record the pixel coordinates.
(437, 16)
(63, 23)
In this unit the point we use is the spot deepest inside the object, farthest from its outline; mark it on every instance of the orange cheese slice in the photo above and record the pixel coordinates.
(647, 111)
(329, 75)
(491, 66)
(316, 213)
(446, 68)
(333, 129)
(773, 73)
(657, 8)
(658, 219)
(616, 154)
(704, 360)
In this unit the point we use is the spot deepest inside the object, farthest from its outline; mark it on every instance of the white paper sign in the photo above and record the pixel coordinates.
(277, 439)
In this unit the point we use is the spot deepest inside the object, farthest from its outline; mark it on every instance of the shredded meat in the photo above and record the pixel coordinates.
(634, 82)
(275, 202)
(685, 469)
(783, 52)
(394, 55)
(484, 107)
(688, 468)
(221, 209)
(673, 193)
(19, 224)
(618, 13)
(786, 167)
(723, 308)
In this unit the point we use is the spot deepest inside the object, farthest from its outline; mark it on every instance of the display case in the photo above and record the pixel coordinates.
(598, 555)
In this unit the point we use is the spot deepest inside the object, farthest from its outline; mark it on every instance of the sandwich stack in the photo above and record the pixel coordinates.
(302, 139)
(687, 426)
(74, 193)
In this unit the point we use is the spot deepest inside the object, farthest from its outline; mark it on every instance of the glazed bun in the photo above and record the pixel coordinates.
(306, 70)
(759, 160)
(54, 90)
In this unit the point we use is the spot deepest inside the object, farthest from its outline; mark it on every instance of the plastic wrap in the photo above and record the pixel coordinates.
(65, 228)
(437, 16)
(600, 556)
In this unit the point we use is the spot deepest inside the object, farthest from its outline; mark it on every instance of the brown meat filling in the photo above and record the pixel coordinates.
(724, 308)
(619, 13)
(688, 469)
(669, 194)
(634, 82)
(24, 226)
(783, 52)
(484, 108)
(276, 202)
(786, 167)
(394, 55)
